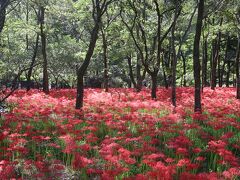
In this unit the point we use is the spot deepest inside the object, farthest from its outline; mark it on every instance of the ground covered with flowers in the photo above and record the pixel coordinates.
(121, 135)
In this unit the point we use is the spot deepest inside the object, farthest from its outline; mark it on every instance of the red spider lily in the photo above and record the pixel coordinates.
(70, 143)
(6, 170)
(182, 151)
(200, 158)
(137, 131)
(231, 173)
(215, 145)
(183, 162)
(197, 150)
(81, 161)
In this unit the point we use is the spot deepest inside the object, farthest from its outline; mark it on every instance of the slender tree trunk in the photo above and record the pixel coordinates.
(184, 70)
(238, 68)
(204, 63)
(44, 53)
(3, 7)
(213, 65)
(27, 20)
(218, 54)
(154, 85)
(29, 73)
(164, 73)
(174, 59)
(129, 59)
(81, 71)
(216, 58)
(225, 60)
(197, 67)
(228, 73)
(105, 58)
(139, 67)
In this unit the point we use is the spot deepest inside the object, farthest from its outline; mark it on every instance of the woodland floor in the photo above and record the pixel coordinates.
(123, 135)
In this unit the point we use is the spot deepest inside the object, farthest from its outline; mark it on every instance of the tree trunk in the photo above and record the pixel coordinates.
(3, 6)
(44, 53)
(204, 63)
(129, 59)
(164, 73)
(237, 68)
(197, 78)
(225, 60)
(29, 74)
(154, 85)
(184, 71)
(218, 54)
(81, 71)
(139, 67)
(174, 58)
(27, 20)
(213, 65)
(105, 58)
(228, 73)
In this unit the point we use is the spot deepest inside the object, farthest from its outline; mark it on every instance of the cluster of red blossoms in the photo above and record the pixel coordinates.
(121, 135)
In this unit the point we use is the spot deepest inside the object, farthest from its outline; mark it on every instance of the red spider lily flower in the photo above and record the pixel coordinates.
(197, 150)
(81, 161)
(214, 145)
(182, 151)
(154, 156)
(6, 170)
(169, 160)
(192, 166)
(231, 173)
(140, 177)
(94, 171)
(53, 145)
(200, 158)
(70, 143)
(85, 147)
(183, 162)
(199, 116)
(163, 172)
(113, 160)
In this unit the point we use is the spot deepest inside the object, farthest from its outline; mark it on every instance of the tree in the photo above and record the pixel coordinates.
(99, 8)
(151, 35)
(238, 67)
(196, 61)
(3, 7)
(44, 53)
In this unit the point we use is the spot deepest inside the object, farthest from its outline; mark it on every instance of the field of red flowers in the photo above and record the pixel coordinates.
(122, 135)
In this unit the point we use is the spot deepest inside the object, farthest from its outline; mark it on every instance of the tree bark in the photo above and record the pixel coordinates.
(3, 7)
(81, 71)
(154, 85)
(129, 59)
(216, 58)
(197, 67)
(237, 68)
(204, 63)
(139, 76)
(44, 53)
(225, 60)
(105, 59)
(29, 73)
(213, 65)
(218, 54)
(184, 70)
(228, 73)
(174, 58)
